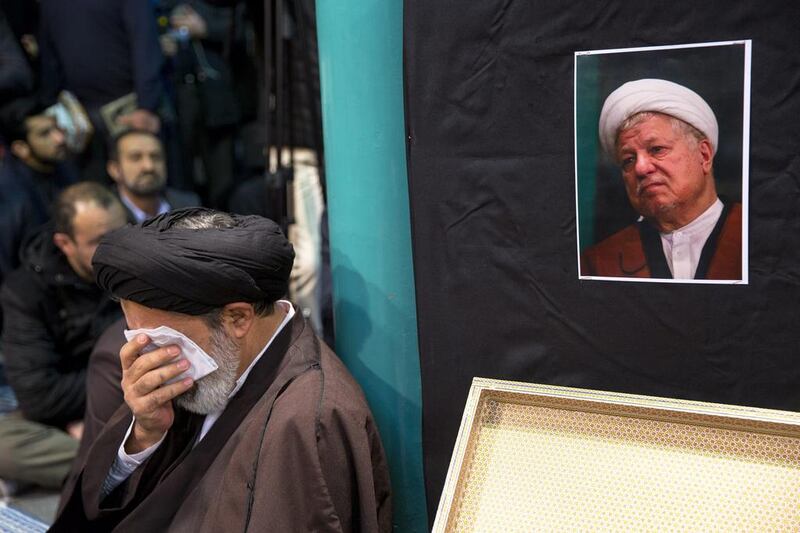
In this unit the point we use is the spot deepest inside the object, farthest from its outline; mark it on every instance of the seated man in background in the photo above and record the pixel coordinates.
(138, 167)
(31, 175)
(278, 438)
(53, 314)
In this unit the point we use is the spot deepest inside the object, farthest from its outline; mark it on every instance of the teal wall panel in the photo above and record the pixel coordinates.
(361, 77)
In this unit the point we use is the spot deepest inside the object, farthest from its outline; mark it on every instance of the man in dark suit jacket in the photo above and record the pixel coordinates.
(138, 167)
(664, 137)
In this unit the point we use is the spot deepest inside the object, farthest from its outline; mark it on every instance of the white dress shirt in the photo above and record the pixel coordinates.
(125, 464)
(683, 247)
(141, 216)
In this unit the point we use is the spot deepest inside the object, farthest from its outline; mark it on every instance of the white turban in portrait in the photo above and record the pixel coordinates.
(659, 96)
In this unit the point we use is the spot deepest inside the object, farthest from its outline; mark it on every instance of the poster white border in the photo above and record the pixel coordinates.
(745, 159)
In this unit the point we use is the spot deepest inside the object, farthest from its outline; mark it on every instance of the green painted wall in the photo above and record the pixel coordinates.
(588, 105)
(361, 75)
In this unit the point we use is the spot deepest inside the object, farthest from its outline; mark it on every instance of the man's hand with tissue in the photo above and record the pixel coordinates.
(144, 374)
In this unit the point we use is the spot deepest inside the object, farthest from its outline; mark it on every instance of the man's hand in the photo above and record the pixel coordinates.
(151, 403)
(75, 429)
(168, 45)
(141, 119)
(184, 16)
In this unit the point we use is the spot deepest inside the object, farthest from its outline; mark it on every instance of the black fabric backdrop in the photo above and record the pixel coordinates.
(489, 113)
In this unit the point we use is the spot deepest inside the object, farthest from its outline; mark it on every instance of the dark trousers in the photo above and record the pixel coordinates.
(207, 153)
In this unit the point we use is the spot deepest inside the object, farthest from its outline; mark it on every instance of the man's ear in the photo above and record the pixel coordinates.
(706, 154)
(20, 149)
(112, 167)
(240, 316)
(64, 243)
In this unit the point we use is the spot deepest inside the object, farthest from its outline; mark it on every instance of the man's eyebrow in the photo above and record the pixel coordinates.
(625, 148)
(652, 138)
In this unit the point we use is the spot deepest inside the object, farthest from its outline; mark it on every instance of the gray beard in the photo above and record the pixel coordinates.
(210, 393)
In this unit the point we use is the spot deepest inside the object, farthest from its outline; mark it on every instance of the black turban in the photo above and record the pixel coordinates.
(194, 271)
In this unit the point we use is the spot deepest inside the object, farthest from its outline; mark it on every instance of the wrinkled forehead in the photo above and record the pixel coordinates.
(645, 117)
(648, 126)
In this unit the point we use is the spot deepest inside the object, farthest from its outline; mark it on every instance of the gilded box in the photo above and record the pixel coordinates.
(543, 458)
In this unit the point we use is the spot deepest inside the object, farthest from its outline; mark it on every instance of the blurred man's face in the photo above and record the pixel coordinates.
(46, 141)
(667, 173)
(141, 168)
(90, 223)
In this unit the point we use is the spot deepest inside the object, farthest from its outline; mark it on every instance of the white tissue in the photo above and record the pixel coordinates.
(200, 363)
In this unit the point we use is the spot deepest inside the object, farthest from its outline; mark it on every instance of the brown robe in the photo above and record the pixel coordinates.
(103, 390)
(625, 255)
(296, 449)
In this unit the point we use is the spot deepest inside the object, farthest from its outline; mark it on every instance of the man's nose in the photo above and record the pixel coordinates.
(58, 136)
(644, 165)
(148, 164)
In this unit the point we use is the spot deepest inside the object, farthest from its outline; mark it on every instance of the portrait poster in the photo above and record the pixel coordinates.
(507, 185)
(720, 74)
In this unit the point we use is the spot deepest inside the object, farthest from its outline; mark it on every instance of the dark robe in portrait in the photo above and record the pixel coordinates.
(296, 449)
(636, 252)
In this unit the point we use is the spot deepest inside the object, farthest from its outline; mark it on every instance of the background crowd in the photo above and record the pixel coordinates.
(111, 112)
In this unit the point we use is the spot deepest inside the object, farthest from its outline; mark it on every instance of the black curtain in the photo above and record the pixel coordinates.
(489, 114)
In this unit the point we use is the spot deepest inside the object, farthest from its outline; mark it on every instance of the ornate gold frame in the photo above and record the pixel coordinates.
(577, 459)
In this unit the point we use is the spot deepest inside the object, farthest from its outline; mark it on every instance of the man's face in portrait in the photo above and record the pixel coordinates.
(667, 172)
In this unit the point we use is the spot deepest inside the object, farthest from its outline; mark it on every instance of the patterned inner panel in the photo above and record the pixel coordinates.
(548, 468)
